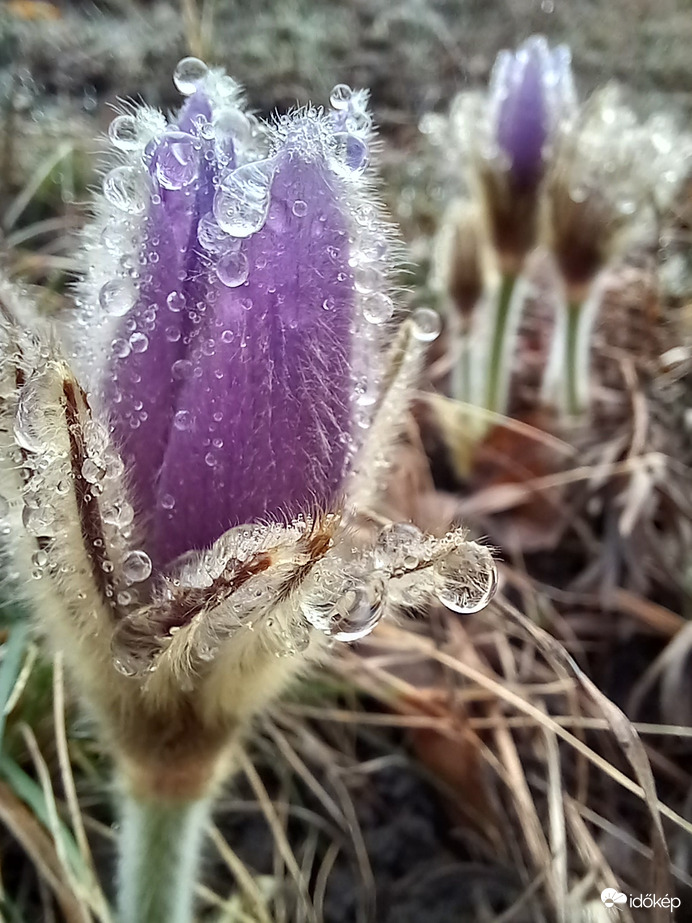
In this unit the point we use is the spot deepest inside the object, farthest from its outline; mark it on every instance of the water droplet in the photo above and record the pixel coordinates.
(136, 566)
(466, 580)
(212, 237)
(26, 429)
(139, 342)
(399, 548)
(124, 187)
(233, 268)
(232, 130)
(92, 472)
(177, 160)
(300, 208)
(378, 308)
(183, 420)
(340, 96)
(117, 297)
(175, 302)
(189, 74)
(181, 369)
(39, 559)
(227, 336)
(40, 521)
(167, 501)
(369, 279)
(352, 153)
(288, 640)
(120, 348)
(426, 324)
(344, 607)
(242, 201)
(123, 132)
(126, 665)
(117, 513)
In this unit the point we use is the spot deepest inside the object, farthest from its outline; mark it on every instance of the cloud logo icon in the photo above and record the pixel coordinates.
(611, 897)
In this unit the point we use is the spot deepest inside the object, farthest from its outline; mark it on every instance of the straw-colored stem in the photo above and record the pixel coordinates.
(159, 849)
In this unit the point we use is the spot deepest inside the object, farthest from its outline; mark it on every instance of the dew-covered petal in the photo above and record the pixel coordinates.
(262, 422)
(141, 386)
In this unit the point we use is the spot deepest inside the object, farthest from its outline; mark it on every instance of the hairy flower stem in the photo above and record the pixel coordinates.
(498, 364)
(159, 848)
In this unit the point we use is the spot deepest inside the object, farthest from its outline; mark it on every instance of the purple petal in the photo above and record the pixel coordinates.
(532, 88)
(138, 390)
(248, 411)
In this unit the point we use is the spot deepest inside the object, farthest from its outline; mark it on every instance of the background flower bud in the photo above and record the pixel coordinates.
(531, 90)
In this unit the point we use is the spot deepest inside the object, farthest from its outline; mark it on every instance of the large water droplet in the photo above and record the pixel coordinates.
(189, 74)
(426, 324)
(466, 580)
(123, 132)
(117, 297)
(177, 160)
(136, 566)
(340, 96)
(124, 187)
(233, 268)
(345, 607)
(242, 201)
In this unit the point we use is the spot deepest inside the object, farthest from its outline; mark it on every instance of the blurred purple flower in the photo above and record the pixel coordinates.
(531, 89)
(232, 380)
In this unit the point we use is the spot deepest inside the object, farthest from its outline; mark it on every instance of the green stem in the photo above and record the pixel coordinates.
(159, 847)
(497, 366)
(573, 363)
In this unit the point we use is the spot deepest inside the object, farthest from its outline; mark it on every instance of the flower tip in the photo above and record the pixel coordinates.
(531, 89)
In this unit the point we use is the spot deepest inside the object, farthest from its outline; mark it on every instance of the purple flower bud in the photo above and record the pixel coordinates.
(242, 310)
(531, 89)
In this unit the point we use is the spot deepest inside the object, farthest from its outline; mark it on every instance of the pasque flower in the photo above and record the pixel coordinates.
(508, 135)
(611, 179)
(530, 98)
(192, 475)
